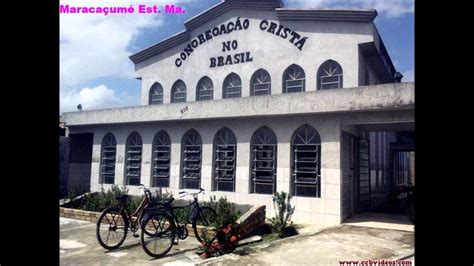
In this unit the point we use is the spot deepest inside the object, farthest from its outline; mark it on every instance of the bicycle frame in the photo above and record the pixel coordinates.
(194, 205)
(134, 218)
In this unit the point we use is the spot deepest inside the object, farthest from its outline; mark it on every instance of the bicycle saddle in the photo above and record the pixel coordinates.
(168, 202)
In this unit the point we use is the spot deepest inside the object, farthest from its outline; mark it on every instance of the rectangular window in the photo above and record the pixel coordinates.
(261, 89)
(108, 164)
(224, 178)
(294, 85)
(264, 169)
(161, 166)
(192, 166)
(306, 172)
(331, 82)
(134, 159)
(157, 98)
(180, 97)
(205, 94)
(232, 92)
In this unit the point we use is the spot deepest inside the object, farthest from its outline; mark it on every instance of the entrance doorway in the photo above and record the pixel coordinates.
(386, 170)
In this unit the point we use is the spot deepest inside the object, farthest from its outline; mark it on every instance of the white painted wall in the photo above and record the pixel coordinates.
(326, 40)
(317, 210)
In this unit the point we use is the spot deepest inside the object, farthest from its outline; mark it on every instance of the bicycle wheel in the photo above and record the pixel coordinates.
(112, 227)
(207, 218)
(148, 231)
(162, 230)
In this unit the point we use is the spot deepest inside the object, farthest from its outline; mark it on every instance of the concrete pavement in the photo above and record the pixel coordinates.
(78, 246)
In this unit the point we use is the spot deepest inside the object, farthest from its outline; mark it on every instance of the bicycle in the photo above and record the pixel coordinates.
(114, 221)
(165, 226)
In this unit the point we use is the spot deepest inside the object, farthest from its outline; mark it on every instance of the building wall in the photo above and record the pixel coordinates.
(318, 210)
(326, 40)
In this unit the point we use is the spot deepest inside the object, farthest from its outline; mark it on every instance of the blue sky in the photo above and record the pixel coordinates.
(95, 70)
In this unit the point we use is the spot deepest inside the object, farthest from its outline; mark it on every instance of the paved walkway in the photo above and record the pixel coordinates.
(346, 242)
(79, 246)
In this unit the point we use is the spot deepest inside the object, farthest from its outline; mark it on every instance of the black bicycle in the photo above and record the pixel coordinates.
(164, 226)
(114, 222)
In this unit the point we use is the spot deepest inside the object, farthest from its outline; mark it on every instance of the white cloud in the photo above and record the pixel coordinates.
(388, 8)
(94, 45)
(408, 76)
(91, 98)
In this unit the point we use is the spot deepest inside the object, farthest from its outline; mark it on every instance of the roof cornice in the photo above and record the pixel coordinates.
(363, 15)
(228, 5)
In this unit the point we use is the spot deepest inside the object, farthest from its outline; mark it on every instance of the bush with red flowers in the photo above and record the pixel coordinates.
(226, 240)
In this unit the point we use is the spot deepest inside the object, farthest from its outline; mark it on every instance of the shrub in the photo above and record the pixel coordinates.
(226, 211)
(283, 213)
(95, 202)
(77, 190)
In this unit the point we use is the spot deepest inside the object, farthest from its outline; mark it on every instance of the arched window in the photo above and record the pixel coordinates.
(232, 87)
(191, 155)
(329, 75)
(264, 161)
(133, 159)
(293, 79)
(161, 157)
(156, 94)
(205, 89)
(107, 164)
(306, 162)
(225, 149)
(260, 83)
(178, 92)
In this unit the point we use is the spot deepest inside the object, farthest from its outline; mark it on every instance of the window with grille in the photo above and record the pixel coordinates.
(191, 155)
(133, 159)
(178, 92)
(264, 161)
(306, 162)
(205, 89)
(232, 86)
(261, 83)
(156, 94)
(329, 75)
(107, 164)
(161, 157)
(225, 149)
(293, 79)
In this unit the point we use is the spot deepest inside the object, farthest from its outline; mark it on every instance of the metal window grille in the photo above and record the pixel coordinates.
(224, 160)
(109, 150)
(294, 80)
(178, 92)
(133, 159)
(232, 86)
(330, 75)
(191, 160)
(156, 94)
(161, 158)
(306, 168)
(264, 161)
(261, 83)
(205, 89)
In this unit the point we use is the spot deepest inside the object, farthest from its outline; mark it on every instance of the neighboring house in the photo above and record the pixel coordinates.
(253, 98)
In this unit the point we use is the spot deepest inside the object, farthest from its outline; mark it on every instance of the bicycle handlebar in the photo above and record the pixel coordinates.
(146, 191)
